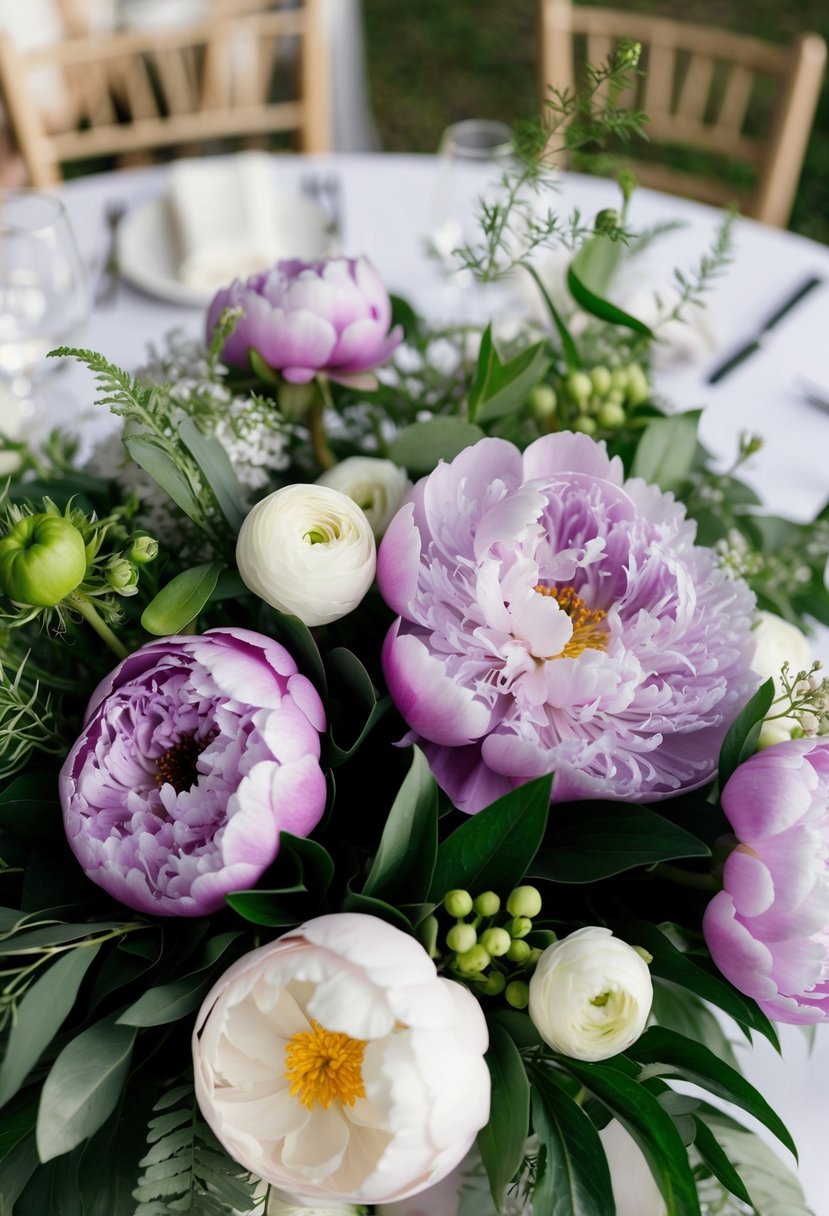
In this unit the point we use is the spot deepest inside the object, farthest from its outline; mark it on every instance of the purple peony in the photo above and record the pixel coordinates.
(555, 618)
(768, 930)
(308, 317)
(197, 752)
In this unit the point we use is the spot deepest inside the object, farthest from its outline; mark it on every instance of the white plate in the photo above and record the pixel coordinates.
(148, 253)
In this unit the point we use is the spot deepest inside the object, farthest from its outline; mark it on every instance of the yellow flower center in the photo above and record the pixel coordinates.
(589, 629)
(324, 1065)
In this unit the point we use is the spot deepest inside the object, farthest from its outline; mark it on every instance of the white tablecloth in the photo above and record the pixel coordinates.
(388, 213)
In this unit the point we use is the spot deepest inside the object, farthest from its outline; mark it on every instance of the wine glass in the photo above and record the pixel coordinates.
(472, 158)
(44, 289)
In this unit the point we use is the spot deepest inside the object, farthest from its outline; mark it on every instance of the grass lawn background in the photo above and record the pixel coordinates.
(433, 62)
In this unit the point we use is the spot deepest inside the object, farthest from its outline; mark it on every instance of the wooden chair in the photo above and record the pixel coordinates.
(153, 89)
(697, 90)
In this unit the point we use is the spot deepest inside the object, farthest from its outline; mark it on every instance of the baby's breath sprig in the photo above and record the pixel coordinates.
(805, 698)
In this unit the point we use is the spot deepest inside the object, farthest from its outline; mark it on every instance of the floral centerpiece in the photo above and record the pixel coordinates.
(383, 826)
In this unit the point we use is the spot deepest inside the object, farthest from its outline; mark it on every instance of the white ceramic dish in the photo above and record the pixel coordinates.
(148, 253)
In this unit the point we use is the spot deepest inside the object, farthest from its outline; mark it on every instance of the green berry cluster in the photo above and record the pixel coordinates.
(487, 945)
(599, 400)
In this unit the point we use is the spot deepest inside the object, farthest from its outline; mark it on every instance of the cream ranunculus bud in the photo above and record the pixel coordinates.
(307, 550)
(378, 486)
(634, 1190)
(590, 995)
(776, 642)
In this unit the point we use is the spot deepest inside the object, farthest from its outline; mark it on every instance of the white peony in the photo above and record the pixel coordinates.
(634, 1190)
(307, 550)
(378, 486)
(590, 995)
(338, 1066)
(776, 642)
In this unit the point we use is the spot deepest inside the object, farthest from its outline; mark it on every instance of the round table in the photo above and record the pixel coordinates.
(389, 211)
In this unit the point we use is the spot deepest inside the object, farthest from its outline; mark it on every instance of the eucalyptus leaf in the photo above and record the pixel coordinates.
(405, 860)
(40, 1015)
(181, 600)
(422, 445)
(741, 740)
(168, 1002)
(83, 1087)
(665, 453)
(163, 470)
(34, 940)
(495, 848)
(218, 472)
(576, 1179)
(502, 1141)
(17, 1167)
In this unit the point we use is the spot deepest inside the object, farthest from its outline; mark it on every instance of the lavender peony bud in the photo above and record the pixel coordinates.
(303, 318)
(768, 930)
(196, 753)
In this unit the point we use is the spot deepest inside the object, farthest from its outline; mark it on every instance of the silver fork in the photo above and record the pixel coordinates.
(106, 288)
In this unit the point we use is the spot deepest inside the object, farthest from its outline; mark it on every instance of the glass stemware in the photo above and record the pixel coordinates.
(44, 289)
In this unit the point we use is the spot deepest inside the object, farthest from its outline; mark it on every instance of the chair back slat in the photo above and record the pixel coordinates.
(696, 87)
(732, 113)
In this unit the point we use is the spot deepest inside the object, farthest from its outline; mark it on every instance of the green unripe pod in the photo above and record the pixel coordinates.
(496, 941)
(611, 416)
(143, 549)
(542, 402)
(474, 961)
(487, 903)
(524, 901)
(122, 576)
(461, 938)
(619, 379)
(42, 560)
(585, 424)
(519, 951)
(520, 926)
(601, 381)
(638, 388)
(495, 984)
(518, 994)
(457, 903)
(606, 221)
(579, 387)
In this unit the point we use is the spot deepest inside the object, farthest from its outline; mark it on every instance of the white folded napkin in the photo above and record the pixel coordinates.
(225, 219)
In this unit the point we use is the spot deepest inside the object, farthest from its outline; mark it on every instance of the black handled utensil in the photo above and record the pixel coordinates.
(749, 348)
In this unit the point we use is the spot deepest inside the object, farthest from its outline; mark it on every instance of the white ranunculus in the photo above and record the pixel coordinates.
(634, 1189)
(776, 642)
(378, 486)
(336, 1064)
(590, 995)
(307, 550)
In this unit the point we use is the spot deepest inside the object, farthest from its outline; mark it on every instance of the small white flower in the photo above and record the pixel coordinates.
(634, 1190)
(590, 995)
(307, 550)
(337, 1065)
(378, 486)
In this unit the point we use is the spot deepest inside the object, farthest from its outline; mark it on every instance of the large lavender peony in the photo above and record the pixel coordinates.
(197, 752)
(554, 617)
(768, 930)
(308, 317)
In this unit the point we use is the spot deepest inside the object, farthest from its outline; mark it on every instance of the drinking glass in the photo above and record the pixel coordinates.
(44, 289)
(472, 158)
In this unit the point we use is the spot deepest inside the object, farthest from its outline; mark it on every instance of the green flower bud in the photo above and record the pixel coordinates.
(143, 549)
(42, 560)
(542, 402)
(518, 994)
(473, 961)
(606, 221)
(579, 387)
(638, 388)
(496, 941)
(495, 984)
(121, 576)
(619, 379)
(611, 416)
(461, 938)
(601, 380)
(524, 901)
(585, 424)
(645, 954)
(535, 955)
(519, 951)
(628, 53)
(520, 926)
(627, 183)
(457, 903)
(487, 903)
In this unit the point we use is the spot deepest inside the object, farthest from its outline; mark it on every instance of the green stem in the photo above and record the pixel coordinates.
(319, 442)
(90, 614)
(686, 878)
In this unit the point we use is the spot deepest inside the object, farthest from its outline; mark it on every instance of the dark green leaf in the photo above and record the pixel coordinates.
(741, 740)
(575, 1180)
(403, 314)
(671, 1054)
(163, 469)
(405, 860)
(603, 309)
(518, 1026)
(502, 1141)
(652, 1129)
(572, 358)
(316, 867)
(40, 1015)
(596, 262)
(266, 908)
(169, 1002)
(665, 453)
(352, 692)
(30, 810)
(509, 384)
(261, 368)
(588, 841)
(16, 1169)
(678, 1009)
(494, 848)
(181, 600)
(216, 468)
(353, 901)
(716, 1160)
(774, 1189)
(120, 1143)
(422, 445)
(83, 1087)
(298, 640)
